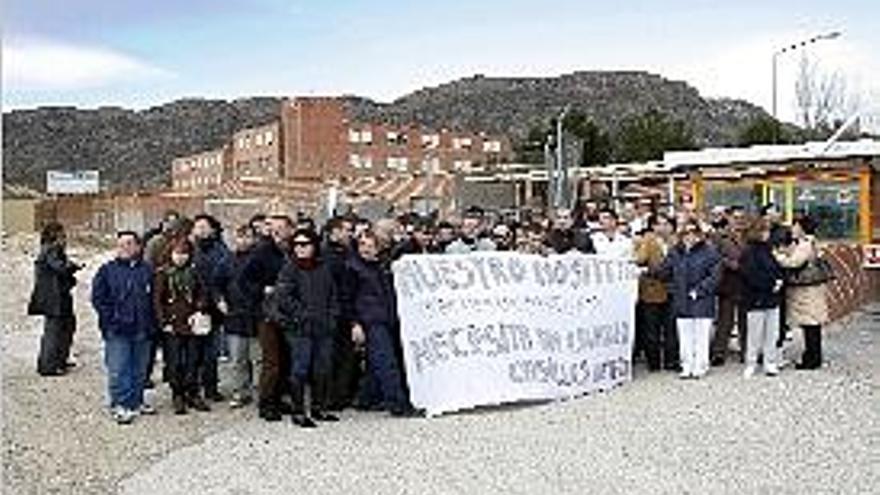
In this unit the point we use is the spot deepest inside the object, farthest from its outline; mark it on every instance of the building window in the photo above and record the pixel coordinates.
(354, 160)
(398, 163)
(430, 141)
(268, 138)
(431, 165)
(462, 143)
(258, 140)
(492, 146)
(241, 143)
(354, 136)
(462, 165)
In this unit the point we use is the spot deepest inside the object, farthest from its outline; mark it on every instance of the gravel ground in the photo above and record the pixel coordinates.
(802, 431)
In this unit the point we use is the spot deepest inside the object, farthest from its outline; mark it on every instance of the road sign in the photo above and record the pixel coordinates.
(75, 182)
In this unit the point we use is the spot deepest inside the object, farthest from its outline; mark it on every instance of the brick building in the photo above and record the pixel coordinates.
(316, 142)
(258, 152)
(203, 171)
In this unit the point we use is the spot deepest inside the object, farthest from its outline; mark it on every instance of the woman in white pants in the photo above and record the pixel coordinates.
(694, 267)
(763, 278)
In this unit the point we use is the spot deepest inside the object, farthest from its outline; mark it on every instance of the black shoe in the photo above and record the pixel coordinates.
(303, 421)
(199, 404)
(214, 396)
(806, 366)
(718, 361)
(407, 412)
(270, 413)
(285, 409)
(69, 364)
(325, 417)
(59, 372)
(179, 405)
(672, 367)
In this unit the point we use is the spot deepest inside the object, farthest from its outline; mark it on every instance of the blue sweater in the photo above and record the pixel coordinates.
(122, 295)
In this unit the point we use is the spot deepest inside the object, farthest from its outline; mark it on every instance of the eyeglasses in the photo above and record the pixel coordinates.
(301, 243)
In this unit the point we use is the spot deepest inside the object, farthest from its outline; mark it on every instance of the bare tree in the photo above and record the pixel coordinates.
(820, 96)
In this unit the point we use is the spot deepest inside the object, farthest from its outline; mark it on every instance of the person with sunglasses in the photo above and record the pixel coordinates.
(308, 310)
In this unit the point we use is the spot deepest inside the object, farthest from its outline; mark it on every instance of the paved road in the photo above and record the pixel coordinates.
(802, 432)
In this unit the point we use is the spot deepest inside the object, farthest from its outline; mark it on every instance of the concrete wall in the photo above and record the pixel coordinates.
(19, 215)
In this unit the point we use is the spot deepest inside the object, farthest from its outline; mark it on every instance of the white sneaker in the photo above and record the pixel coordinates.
(749, 372)
(147, 409)
(771, 370)
(123, 416)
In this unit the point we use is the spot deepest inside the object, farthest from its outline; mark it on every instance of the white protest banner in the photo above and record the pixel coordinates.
(495, 327)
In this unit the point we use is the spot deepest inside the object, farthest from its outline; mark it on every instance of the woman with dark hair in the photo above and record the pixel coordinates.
(180, 296)
(308, 312)
(807, 304)
(762, 278)
(51, 298)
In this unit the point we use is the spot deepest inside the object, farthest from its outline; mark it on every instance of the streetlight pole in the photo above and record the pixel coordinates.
(561, 179)
(827, 36)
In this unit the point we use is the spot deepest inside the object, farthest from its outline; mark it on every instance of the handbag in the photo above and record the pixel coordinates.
(200, 324)
(816, 271)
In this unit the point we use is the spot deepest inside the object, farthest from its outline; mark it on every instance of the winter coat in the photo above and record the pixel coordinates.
(176, 309)
(806, 305)
(261, 270)
(213, 263)
(695, 270)
(243, 299)
(122, 295)
(650, 252)
(762, 276)
(730, 246)
(563, 241)
(307, 304)
(373, 300)
(53, 281)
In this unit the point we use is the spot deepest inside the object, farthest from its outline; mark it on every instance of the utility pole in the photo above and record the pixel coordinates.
(561, 171)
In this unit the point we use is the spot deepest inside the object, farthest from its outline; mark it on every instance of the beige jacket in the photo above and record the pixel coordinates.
(806, 305)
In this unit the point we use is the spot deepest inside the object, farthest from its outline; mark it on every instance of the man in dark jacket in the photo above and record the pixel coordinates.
(728, 239)
(335, 253)
(122, 295)
(564, 237)
(53, 281)
(373, 315)
(260, 275)
(241, 308)
(212, 261)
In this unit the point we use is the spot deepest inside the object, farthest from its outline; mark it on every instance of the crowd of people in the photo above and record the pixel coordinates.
(306, 316)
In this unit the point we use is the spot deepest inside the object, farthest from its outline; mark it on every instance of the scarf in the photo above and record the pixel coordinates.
(181, 281)
(306, 264)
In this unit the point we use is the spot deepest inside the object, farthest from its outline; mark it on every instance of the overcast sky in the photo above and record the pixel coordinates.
(136, 54)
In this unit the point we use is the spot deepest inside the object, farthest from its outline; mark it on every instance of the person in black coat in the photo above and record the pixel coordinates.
(335, 253)
(763, 279)
(212, 263)
(308, 313)
(564, 237)
(240, 305)
(51, 298)
(373, 314)
(259, 277)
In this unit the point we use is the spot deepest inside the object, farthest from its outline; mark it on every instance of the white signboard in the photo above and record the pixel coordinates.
(494, 327)
(77, 182)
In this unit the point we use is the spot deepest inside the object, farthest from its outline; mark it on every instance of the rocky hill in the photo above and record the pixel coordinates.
(135, 148)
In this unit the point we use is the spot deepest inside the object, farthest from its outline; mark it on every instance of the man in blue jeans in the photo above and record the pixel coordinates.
(122, 295)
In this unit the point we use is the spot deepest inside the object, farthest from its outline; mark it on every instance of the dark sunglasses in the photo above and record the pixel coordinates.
(301, 243)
